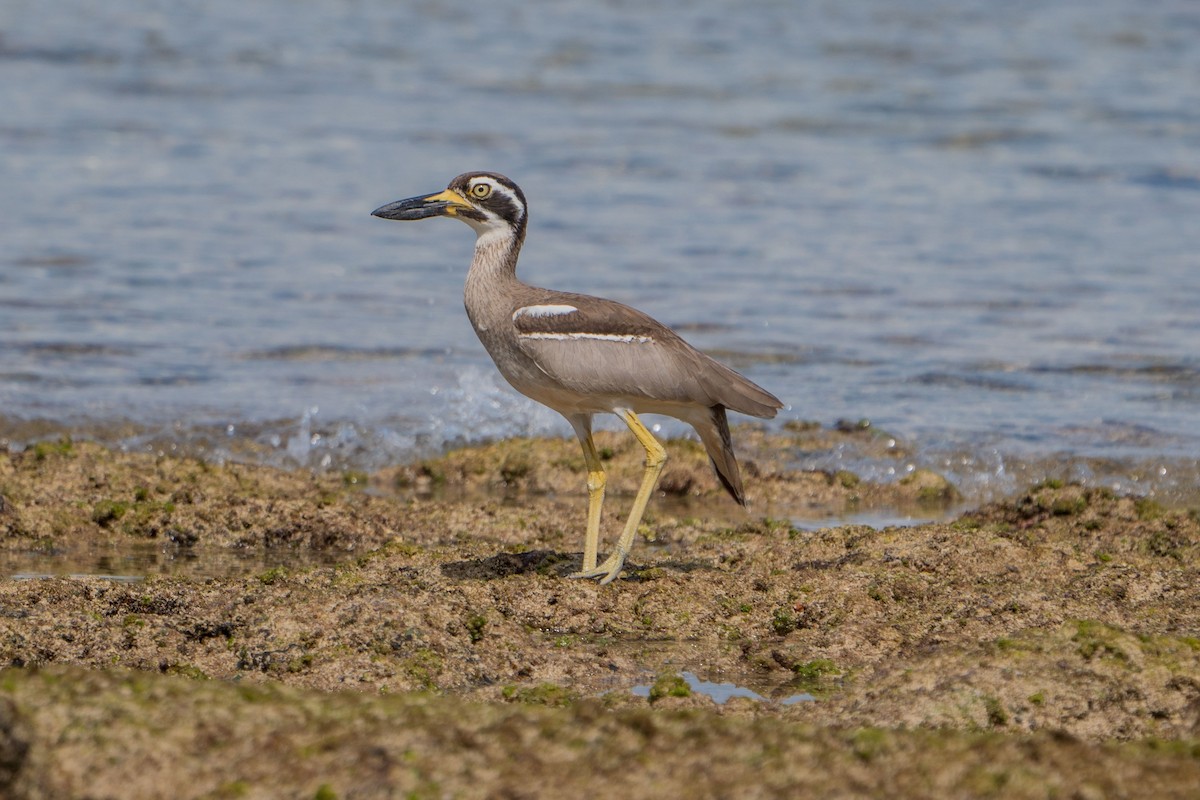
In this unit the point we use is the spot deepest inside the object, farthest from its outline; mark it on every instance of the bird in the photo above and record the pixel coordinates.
(582, 355)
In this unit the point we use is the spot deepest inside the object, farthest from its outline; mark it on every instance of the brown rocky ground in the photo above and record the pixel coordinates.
(1043, 646)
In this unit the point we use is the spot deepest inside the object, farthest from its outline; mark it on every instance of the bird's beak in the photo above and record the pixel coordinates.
(443, 204)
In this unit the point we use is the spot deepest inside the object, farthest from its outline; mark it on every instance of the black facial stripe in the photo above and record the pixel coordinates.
(504, 205)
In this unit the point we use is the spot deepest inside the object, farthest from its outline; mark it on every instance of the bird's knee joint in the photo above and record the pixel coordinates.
(596, 482)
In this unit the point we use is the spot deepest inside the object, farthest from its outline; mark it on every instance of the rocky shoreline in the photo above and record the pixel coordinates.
(1047, 645)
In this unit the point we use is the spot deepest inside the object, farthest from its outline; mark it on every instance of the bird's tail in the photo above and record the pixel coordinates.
(736, 391)
(714, 433)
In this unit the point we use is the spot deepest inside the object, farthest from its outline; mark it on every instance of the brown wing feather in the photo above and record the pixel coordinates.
(654, 362)
(593, 315)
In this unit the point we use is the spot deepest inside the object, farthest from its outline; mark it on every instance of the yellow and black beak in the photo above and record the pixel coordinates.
(443, 204)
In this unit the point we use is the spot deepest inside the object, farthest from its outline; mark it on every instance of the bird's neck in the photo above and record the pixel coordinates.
(492, 279)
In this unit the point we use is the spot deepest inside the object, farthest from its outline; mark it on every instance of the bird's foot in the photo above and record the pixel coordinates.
(607, 571)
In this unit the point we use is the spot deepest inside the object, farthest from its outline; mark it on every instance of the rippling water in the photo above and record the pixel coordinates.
(973, 223)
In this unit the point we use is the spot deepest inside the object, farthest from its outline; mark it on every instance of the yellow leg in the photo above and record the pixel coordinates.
(656, 456)
(595, 484)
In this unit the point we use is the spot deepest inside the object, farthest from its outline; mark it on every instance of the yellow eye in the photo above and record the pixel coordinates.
(481, 190)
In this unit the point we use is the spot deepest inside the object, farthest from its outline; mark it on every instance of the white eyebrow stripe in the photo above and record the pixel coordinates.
(543, 311)
(626, 338)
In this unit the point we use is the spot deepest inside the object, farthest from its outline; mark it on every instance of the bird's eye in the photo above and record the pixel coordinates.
(481, 190)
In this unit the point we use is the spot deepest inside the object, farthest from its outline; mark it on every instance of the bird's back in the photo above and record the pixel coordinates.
(602, 348)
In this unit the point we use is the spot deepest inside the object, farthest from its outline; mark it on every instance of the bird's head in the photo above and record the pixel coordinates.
(488, 202)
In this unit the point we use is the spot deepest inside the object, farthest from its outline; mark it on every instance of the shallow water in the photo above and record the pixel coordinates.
(722, 693)
(971, 223)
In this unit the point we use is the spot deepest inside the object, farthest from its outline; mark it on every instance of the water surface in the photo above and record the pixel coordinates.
(972, 223)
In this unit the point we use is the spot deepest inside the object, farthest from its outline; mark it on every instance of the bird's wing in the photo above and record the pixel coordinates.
(600, 347)
(594, 346)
